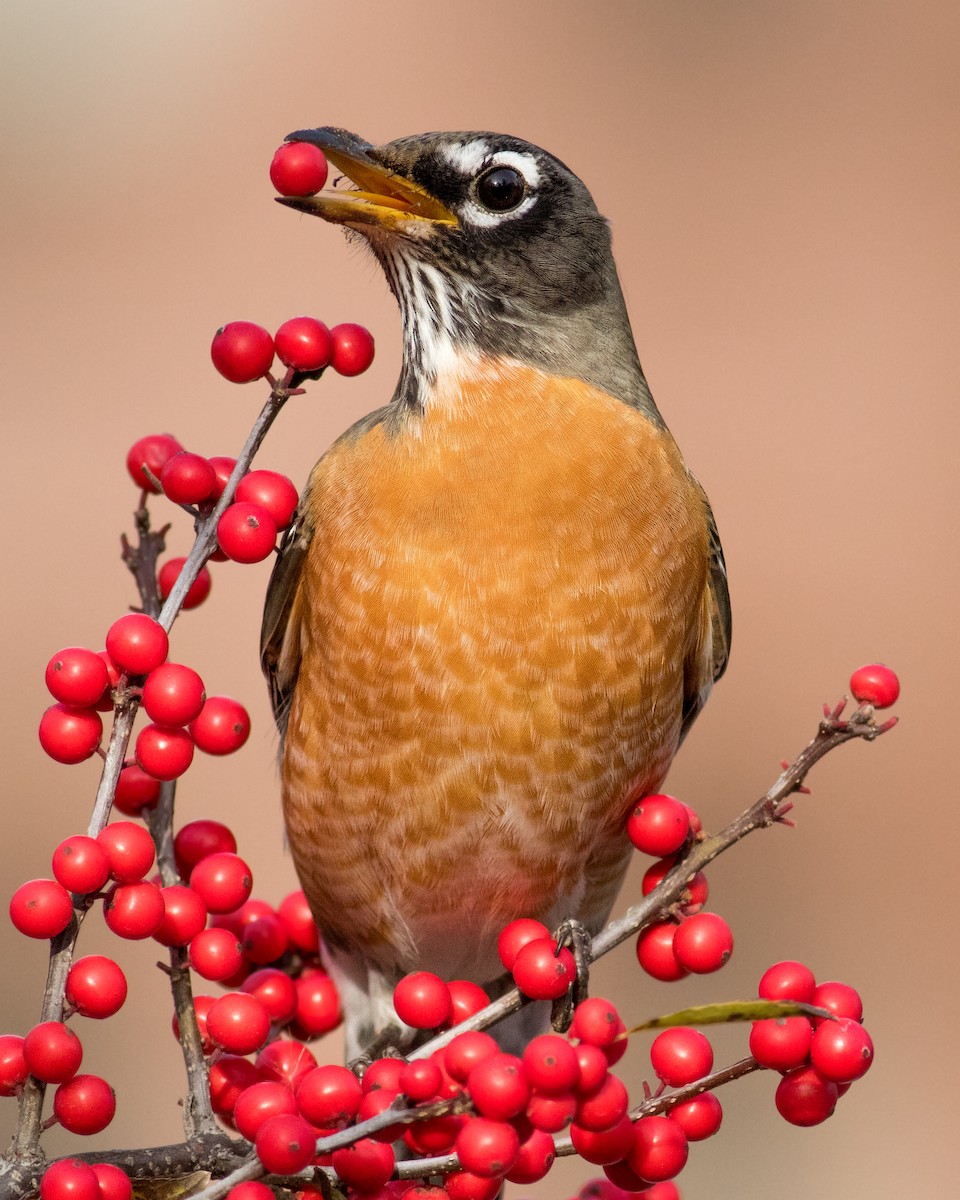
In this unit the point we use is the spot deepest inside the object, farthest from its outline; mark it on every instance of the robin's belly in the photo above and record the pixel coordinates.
(459, 755)
(495, 619)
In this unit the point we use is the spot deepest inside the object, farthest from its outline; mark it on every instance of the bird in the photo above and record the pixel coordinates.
(503, 600)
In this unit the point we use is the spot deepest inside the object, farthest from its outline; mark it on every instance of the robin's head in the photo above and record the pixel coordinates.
(491, 246)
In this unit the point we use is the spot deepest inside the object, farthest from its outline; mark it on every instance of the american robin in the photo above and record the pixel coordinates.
(503, 601)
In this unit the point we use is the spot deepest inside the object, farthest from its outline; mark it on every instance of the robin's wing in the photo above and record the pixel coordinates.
(708, 660)
(280, 629)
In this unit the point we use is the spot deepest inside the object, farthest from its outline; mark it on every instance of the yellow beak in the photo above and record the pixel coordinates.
(381, 197)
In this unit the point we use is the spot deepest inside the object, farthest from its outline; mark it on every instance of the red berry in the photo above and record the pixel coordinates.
(875, 684)
(658, 825)
(841, 1050)
(246, 532)
(77, 677)
(373, 1104)
(197, 840)
(294, 912)
(85, 1104)
(618, 1047)
(787, 980)
(298, 169)
(222, 727)
(253, 1189)
(70, 735)
(258, 1103)
(230, 1076)
(264, 940)
(696, 889)
(106, 701)
(839, 998)
(114, 1184)
(781, 1043)
(420, 1080)
(168, 575)
(551, 1064)
(551, 1112)
(163, 752)
(223, 466)
(286, 1144)
(466, 999)
(365, 1165)
(498, 1087)
(137, 643)
(680, 1056)
(542, 973)
(659, 1149)
(133, 910)
(804, 1097)
(173, 694)
(151, 451)
(304, 343)
(52, 1052)
(238, 1023)
(223, 882)
(593, 1065)
(466, 1050)
(703, 943)
(606, 1146)
(69, 1179)
(41, 908)
(242, 351)
(656, 955)
(624, 1179)
(187, 478)
(13, 1068)
(436, 1136)
(184, 916)
(201, 1008)
(514, 937)
(595, 1021)
(276, 991)
(352, 349)
(81, 864)
(535, 1159)
(318, 1005)
(605, 1107)
(422, 1000)
(136, 791)
(329, 1096)
(287, 1061)
(465, 1185)
(96, 986)
(216, 954)
(271, 491)
(383, 1075)
(487, 1147)
(699, 1118)
(129, 849)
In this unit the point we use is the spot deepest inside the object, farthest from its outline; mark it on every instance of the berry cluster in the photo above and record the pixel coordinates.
(504, 1116)
(818, 1058)
(198, 904)
(701, 942)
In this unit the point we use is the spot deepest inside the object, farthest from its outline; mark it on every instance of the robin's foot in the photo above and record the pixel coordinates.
(575, 937)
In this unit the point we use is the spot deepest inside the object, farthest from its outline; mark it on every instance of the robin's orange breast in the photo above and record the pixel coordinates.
(493, 618)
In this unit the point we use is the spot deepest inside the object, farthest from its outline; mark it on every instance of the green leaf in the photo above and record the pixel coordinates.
(734, 1010)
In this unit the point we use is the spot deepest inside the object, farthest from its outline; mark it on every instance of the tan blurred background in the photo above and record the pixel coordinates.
(782, 181)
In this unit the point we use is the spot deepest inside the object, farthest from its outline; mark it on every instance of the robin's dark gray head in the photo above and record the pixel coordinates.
(491, 246)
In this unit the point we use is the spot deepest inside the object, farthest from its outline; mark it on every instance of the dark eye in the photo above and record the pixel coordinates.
(500, 189)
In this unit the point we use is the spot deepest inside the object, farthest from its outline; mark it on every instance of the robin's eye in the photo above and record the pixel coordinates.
(500, 189)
